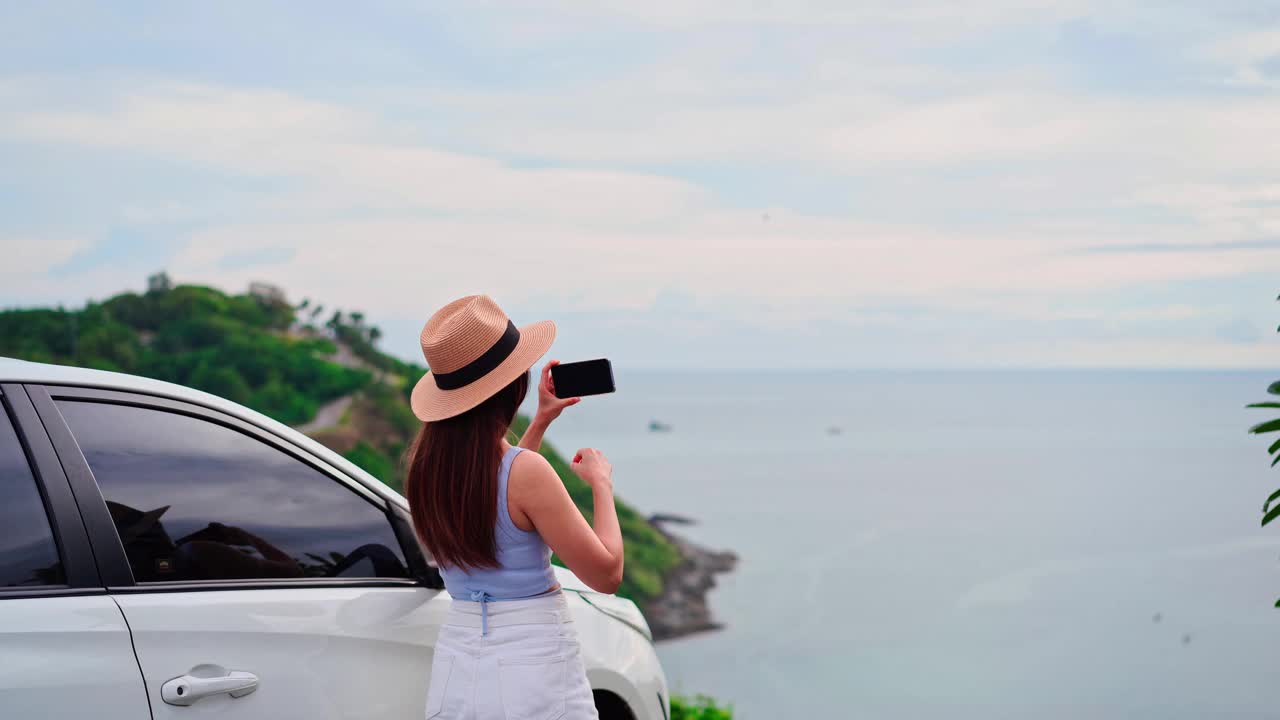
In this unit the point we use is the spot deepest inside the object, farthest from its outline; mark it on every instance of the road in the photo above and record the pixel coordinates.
(327, 416)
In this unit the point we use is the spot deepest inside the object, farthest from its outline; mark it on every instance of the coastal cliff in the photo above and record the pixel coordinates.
(321, 370)
(681, 608)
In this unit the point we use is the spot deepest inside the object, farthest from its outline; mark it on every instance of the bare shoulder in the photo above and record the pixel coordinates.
(528, 462)
(532, 485)
(530, 472)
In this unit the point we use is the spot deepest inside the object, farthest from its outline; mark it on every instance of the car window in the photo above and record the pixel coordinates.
(28, 552)
(194, 500)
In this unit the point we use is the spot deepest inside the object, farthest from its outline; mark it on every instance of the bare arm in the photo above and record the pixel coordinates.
(532, 438)
(594, 554)
(549, 408)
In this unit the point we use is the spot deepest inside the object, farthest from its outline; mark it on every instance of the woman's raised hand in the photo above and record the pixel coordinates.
(593, 467)
(550, 406)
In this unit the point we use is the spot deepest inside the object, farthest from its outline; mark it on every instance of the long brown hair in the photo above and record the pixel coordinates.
(452, 484)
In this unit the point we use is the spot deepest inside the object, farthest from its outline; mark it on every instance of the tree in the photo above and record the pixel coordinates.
(159, 283)
(1271, 508)
(375, 333)
(222, 381)
(357, 318)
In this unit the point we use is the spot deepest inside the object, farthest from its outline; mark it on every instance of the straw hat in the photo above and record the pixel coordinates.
(473, 351)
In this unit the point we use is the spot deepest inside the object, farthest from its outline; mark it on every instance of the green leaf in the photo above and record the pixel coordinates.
(1266, 427)
(1274, 388)
(1274, 447)
(1267, 505)
(1264, 405)
(1275, 460)
(1272, 515)
(1278, 603)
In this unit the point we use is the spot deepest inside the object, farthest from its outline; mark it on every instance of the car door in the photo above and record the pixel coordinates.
(64, 644)
(258, 582)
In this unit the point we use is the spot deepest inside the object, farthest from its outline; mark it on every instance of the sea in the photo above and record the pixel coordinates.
(963, 543)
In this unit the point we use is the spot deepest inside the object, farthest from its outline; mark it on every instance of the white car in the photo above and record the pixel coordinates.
(168, 554)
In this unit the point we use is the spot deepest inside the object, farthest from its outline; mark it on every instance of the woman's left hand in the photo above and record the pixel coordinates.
(550, 406)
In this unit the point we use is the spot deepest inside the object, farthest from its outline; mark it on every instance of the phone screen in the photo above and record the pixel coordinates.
(589, 377)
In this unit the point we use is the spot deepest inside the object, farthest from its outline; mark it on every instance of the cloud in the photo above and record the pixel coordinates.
(1246, 55)
(919, 14)
(794, 263)
(956, 183)
(44, 271)
(342, 158)
(370, 214)
(630, 232)
(631, 228)
(257, 257)
(1144, 248)
(31, 256)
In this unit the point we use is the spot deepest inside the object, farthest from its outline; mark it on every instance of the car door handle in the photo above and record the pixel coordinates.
(187, 689)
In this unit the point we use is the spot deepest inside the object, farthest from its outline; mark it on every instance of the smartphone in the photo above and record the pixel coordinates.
(589, 377)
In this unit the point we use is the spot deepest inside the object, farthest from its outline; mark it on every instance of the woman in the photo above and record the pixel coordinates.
(491, 514)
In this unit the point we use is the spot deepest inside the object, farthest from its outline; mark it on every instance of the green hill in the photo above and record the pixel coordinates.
(286, 362)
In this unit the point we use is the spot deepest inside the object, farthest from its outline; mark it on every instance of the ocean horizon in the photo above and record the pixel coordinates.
(974, 542)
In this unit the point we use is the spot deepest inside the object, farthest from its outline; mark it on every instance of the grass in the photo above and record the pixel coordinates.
(699, 707)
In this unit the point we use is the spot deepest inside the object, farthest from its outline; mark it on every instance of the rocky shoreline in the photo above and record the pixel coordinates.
(681, 609)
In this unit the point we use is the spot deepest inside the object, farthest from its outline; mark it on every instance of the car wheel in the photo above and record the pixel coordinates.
(612, 707)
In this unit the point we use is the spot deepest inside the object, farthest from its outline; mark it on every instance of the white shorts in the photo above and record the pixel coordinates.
(526, 666)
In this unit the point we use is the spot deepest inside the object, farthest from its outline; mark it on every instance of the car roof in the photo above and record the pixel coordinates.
(21, 371)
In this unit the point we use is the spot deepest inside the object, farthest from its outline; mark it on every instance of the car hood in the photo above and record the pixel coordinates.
(569, 581)
(618, 608)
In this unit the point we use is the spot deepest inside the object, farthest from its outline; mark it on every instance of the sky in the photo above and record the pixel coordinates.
(678, 184)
